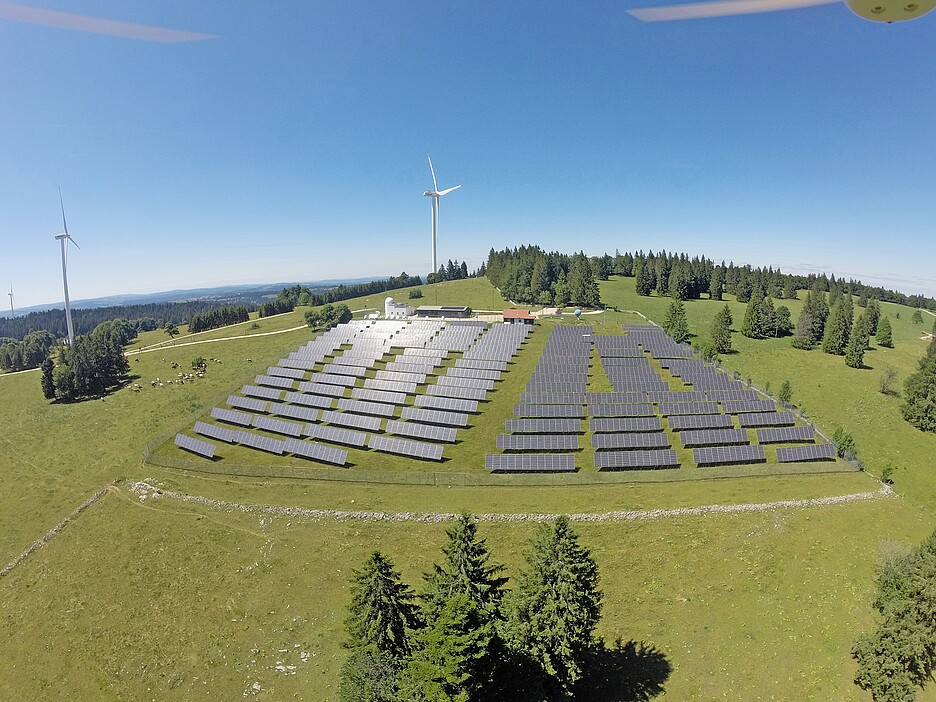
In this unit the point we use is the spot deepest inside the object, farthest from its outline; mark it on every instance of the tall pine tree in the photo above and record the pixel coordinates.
(920, 393)
(721, 330)
(675, 323)
(857, 343)
(884, 335)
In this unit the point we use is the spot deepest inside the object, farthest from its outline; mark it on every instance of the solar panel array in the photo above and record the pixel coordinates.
(450, 404)
(399, 376)
(463, 382)
(474, 373)
(673, 408)
(645, 440)
(621, 410)
(258, 441)
(525, 410)
(334, 379)
(247, 403)
(499, 343)
(422, 431)
(552, 398)
(406, 447)
(713, 437)
(385, 396)
(215, 432)
(336, 435)
(625, 424)
(527, 463)
(781, 435)
(316, 452)
(206, 449)
(275, 381)
(544, 426)
(294, 373)
(729, 455)
(265, 393)
(680, 422)
(322, 389)
(538, 442)
(278, 426)
(738, 406)
(307, 414)
(766, 419)
(300, 398)
(797, 454)
(363, 407)
(431, 416)
(642, 460)
(392, 385)
(231, 416)
(355, 421)
(481, 363)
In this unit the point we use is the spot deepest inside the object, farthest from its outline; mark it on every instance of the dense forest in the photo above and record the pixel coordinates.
(529, 275)
(91, 366)
(218, 317)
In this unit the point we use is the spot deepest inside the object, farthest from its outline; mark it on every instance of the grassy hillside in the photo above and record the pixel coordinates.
(168, 600)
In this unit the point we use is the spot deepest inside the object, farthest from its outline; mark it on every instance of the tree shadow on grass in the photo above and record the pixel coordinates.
(631, 671)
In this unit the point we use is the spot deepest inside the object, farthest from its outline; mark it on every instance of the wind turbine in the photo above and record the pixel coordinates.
(12, 310)
(436, 195)
(64, 239)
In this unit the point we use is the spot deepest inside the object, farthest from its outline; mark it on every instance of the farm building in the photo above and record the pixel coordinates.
(397, 310)
(438, 311)
(518, 317)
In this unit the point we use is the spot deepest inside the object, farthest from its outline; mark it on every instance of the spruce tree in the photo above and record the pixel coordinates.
(562, 290)
(717, 283)
(883, 336)
(920, 393)
(749, 327)
(873, 315)
(675, 323)
(766, 319)
(552, 614)
(48, 384)
(381, 610)
(837, 329)
(857, 342)
(645, 281)
(466, 570)
(450, 658)
(721, 330)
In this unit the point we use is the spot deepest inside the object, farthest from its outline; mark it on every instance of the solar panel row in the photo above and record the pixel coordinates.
(651, 459)
(625, 424)
(355, 421)
(206, 449)
(796, 454)
(422, 431)
(785, 434)
(728, 455)
(316, 452)
(431, 416)
(538, 442)
(525, 463)
(406, 447)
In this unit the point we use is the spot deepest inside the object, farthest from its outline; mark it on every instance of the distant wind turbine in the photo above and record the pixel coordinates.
(436, 195)
(12, 310)
(64, 239)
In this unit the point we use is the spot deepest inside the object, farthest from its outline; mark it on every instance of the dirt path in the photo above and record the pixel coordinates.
(164, 347)
(146, 491)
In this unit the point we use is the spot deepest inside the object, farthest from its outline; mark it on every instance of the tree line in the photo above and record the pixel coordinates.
(288, 298)
(94, 364)
(217, 317)
(466, 637)
(453, 270)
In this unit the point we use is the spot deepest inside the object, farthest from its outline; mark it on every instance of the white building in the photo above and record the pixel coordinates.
(397, 310)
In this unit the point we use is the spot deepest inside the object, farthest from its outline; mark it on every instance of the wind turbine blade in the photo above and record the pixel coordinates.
(62, 203)
(435, 188)
(720, 8)
(446, 192)
(73, 242)
(96, 25)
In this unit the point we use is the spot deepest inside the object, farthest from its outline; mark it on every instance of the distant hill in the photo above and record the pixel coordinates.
(248, 294)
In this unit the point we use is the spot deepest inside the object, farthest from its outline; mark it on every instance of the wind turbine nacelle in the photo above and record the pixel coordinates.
(428, 193)
(890, 10)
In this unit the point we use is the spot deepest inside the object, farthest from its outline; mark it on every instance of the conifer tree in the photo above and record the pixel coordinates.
(381, 610)
(562, 290)
(883, 336)
(717, 283)
(721, 330)
(450, 658)
(857, 342)
(554, 609)
(873, 315)
(645, 281)
(766, 319)
(749, 327)
(675, 323)
(837, 329)
(466, 570)
(920, 393)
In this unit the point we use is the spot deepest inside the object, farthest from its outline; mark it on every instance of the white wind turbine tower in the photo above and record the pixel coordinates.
(64, 238)
(436, 195)
(12, 310)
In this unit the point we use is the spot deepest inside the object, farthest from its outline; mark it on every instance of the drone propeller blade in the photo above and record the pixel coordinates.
(720, 8)
(96, 25)
(435, 187)
(446, 192)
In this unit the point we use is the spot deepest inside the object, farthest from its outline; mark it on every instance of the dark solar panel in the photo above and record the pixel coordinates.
(781, 435)
(385, 396)
(247, 403)
(364, 407)
(399, 376)
(336, 435)
(257, 441)
(552, 398)
(214, 431)
(450, 404)
(621, 410)
(527, 410)
(294, 373)
(712, 437)
(728, 455)
(275, 381)
(279, 426)
(680, 422)
(307, 414)
(355, 421)
(231, 416)
(616, 398)
(334, 379)
(461, 382)
(625, 424)
(316, 452)
(674, 408)
(734, 407)
(346, 370)
(796, 454)
(322, 389)
(646, 440)
(422, 431)
(483, 364)
(265, 393)
(636, 460)
(538, 442)
(205, 449)
(398, 386)
(530, 463)
(406, 447)
(545, 426)
(299, 398)
(430, 416)
(766, 419)
(474, 373)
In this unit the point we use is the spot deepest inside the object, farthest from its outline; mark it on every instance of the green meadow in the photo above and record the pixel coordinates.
(164, 599)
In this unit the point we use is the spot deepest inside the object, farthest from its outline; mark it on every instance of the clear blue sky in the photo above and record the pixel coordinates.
(293, 146)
